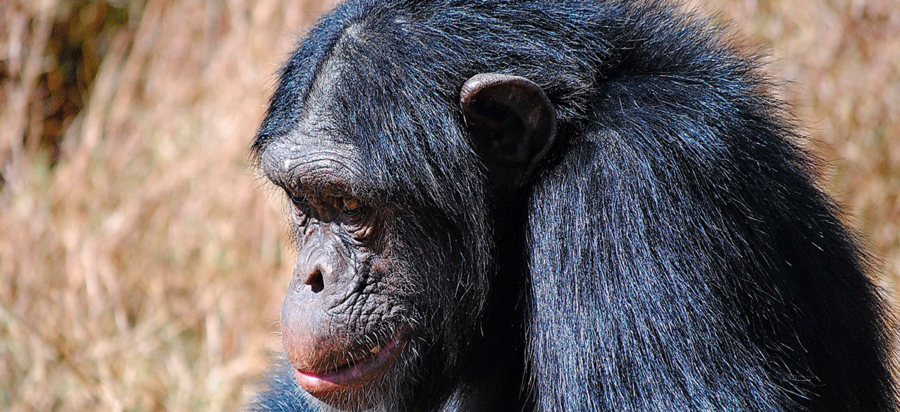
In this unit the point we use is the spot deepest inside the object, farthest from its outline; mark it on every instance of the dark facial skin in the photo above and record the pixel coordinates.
(341, 319)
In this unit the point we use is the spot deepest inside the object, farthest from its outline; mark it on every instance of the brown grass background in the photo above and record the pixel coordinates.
(142, 260)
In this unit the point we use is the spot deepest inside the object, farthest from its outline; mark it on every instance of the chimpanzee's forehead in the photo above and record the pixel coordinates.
(353, 137)
(369, 86)
(307, 159)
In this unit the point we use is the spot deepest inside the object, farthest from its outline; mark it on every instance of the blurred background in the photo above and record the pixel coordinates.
(142, 259)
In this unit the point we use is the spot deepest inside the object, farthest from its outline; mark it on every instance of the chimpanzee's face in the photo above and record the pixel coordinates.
(394, 233)
(346, 317)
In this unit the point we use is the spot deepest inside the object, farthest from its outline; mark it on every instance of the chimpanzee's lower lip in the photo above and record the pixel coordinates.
(357, 374)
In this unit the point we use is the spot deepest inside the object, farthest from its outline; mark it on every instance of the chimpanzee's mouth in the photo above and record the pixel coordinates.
(358, 370)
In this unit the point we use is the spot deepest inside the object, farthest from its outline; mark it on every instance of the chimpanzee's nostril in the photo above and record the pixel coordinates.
(315, 281)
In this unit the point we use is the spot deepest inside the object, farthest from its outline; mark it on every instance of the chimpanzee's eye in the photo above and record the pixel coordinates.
(298, 200)
(351, 206)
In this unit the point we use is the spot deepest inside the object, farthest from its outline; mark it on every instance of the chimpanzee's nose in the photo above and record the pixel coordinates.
(321, 265)
(312, 271)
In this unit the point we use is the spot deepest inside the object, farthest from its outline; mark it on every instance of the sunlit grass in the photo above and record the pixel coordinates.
(141, 257)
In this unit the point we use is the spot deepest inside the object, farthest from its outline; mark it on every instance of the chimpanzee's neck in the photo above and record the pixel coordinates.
(498, 378)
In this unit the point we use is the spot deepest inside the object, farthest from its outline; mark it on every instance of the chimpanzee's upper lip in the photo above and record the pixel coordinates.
(354, 374)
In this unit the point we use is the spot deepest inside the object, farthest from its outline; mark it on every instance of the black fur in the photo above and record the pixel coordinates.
(671, 253)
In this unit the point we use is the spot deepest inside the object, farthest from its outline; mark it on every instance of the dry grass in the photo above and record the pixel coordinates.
(141, 258)
(142, 262)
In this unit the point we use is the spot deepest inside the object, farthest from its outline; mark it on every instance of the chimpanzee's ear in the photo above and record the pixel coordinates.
(512, 123)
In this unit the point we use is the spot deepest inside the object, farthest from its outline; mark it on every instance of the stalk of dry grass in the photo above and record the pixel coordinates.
(142, 264)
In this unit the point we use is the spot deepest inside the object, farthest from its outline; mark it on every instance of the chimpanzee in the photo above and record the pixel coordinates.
(597, 205)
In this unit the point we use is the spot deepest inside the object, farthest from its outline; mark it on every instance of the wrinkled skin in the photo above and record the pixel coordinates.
(343, 308)
(365, 314)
